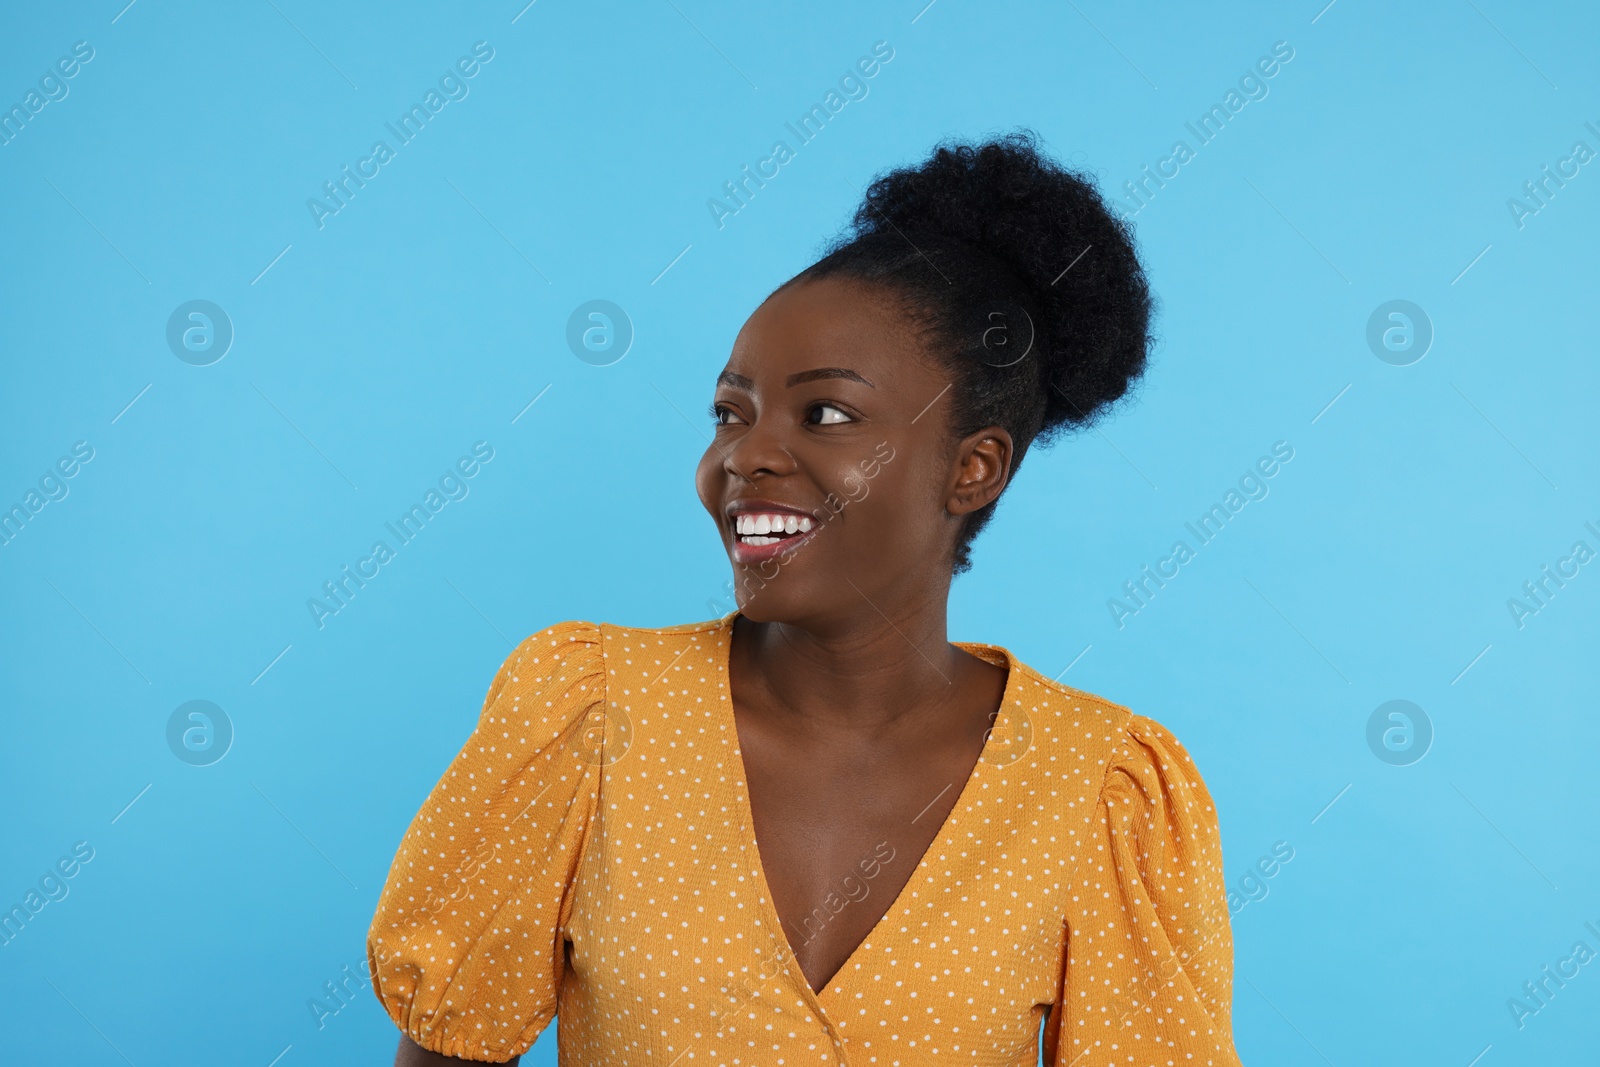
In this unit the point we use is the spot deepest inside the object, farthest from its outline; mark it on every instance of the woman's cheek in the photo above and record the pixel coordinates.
(855, 485)
(706, 482)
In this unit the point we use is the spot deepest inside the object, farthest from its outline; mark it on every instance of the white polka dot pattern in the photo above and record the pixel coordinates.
(590, 853)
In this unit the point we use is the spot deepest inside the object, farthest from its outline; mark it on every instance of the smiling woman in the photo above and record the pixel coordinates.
(665, 817)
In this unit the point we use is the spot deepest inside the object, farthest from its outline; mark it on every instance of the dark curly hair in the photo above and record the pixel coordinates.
(1024, 285)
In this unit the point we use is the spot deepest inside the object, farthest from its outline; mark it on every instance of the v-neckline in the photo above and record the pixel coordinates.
(1002, 725)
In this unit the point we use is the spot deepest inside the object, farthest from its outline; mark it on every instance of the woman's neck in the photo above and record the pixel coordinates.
(863, 672)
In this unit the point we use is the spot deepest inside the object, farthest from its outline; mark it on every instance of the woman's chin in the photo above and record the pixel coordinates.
(766, 601)
(765, 606)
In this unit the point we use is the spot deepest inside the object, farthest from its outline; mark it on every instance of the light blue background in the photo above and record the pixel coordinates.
(429, 312)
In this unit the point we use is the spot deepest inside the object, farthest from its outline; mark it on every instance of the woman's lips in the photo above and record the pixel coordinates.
(760, 535)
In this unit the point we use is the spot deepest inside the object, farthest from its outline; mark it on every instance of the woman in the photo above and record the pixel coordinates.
(816, 831)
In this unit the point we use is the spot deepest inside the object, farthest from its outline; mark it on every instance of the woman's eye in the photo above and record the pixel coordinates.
(827, 414)
(723, 415)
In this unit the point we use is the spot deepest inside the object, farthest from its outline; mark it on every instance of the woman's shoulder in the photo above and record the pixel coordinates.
(1117, 736)
(582, 638)
(1051, 703)
(573, 631)
(574, 643)
(610, 638)
(676, 629)
(601, 649)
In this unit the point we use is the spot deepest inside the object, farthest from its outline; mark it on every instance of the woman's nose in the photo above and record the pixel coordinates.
(760, 450)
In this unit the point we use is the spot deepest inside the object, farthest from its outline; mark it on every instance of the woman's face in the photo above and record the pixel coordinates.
(832, 476)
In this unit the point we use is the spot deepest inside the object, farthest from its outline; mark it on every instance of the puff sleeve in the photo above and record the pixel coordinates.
(465, 949)
(1149, 962)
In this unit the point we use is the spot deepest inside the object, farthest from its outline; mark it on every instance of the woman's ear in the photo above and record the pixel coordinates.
(983, 466)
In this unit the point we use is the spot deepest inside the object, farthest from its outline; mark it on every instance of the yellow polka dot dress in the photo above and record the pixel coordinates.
(590, 854)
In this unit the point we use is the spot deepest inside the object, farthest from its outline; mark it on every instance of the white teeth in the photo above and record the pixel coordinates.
(753, 528)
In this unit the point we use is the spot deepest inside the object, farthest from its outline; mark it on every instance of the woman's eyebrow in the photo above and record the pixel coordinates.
(738, 381)
(826, 372)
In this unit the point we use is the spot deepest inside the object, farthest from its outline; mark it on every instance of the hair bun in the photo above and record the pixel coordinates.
(1049, 227)
(976, 233)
